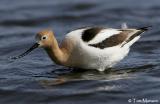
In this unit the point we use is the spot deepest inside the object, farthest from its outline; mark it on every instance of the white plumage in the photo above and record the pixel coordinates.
(89, 57)
(102, 35)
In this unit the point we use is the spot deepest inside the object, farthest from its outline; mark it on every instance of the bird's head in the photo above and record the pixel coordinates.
(44, 39)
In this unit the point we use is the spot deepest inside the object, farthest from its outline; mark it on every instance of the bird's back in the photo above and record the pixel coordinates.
(98, 48)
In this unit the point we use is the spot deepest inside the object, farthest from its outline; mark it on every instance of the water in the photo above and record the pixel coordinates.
(34, 79)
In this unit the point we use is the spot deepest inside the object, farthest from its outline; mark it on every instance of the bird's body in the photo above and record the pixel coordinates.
(88, 48)
(86, 55)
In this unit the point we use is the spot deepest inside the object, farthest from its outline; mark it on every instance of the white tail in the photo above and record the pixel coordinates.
(124, 25)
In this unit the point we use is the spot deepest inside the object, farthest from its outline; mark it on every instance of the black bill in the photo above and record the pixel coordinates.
(27, 52)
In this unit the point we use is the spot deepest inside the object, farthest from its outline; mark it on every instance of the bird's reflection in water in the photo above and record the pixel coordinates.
(77, 75)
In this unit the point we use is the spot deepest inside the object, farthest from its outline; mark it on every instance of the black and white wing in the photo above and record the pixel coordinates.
(107, 37)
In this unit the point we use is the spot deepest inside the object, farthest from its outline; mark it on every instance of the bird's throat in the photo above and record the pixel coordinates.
(57, 55)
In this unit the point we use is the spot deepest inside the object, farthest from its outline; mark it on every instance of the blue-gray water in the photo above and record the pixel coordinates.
(34, 79)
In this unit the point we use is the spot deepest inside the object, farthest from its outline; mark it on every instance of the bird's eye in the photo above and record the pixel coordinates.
(44, 37)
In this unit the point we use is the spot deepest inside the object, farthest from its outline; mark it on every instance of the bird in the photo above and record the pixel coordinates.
(97, 48)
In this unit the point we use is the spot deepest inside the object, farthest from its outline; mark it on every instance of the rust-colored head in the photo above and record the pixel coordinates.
(45, 38)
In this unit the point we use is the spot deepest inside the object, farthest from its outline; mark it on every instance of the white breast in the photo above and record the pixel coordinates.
(88, 57)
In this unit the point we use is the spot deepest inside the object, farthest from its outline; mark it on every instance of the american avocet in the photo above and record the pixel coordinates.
(88, 48)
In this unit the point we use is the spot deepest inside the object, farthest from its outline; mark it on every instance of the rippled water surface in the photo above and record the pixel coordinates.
(34, 79)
